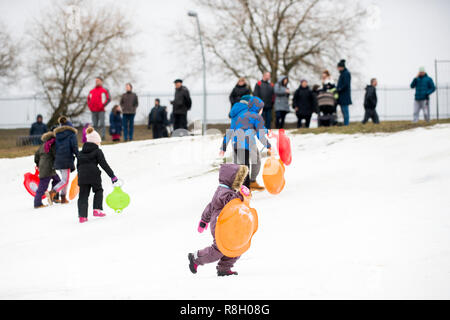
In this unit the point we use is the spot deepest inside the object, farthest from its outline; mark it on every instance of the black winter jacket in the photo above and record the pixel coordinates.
(237, 93)
(182, 102)
(370, 99)
(88, 160)
(305, 100)
(265, 91)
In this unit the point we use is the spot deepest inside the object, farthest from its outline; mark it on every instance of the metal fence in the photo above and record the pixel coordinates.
(393, 104)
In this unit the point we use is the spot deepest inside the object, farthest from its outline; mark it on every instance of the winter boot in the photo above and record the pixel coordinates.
(56, 199)
(41, 206)
(64, 200)
(83, 220)
(254, 186)
(99, 213)
(192, 266)
(226, 273)
(50, 196)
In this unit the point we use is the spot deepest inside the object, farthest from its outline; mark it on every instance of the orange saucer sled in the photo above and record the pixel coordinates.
(236, 225)
(273, 175)
(74, 188)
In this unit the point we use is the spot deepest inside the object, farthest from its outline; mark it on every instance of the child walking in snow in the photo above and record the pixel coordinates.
(66, 150)
(231, 178)
(89, 175)
(44, 159)
(115, 123)
(247, 124)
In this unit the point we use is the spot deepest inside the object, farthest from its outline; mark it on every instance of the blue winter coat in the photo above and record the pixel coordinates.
(115, 123)
(344, 88)
(424, 87)
(66, 147)
(246, 125)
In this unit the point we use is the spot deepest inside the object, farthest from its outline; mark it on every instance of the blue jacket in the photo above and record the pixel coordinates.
(424, 87)
(246, 124)
(344, 88)
(115, 123)
(66, 147)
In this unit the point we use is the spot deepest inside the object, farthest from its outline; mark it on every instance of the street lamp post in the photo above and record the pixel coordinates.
(194, 14)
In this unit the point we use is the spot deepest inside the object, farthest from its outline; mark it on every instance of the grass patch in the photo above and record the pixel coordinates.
(383, 127)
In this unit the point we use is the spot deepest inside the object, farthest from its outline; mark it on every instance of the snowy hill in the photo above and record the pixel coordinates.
(362, 216)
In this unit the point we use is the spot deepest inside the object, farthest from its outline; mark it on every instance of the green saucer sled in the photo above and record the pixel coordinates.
(118, 199)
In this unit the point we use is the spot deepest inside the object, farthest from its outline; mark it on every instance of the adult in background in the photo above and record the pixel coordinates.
(182, 103)
(129, 103)
(370, 103)
(265, 91)
(424, 86)
(37, 130)
(281, 105)
(157, 120)
(97, 100)
(305, 104)
(344, 90)
(241, 89)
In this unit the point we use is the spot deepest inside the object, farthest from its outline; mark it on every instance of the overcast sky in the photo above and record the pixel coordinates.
(408, 34)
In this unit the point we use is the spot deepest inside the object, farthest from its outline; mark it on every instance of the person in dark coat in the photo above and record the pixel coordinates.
(424, 86)
(115, 123)
(157, 120)
(231, 178)
(37, 130)
(129, 103)
(344, 89)
(305, 104)
(66, 151)
(264, 90)
(44, 159)
(89, 175)
(241, 89)
(370, 103)
(182, 103)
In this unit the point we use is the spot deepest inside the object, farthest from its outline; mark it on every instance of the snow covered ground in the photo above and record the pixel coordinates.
(362, 216)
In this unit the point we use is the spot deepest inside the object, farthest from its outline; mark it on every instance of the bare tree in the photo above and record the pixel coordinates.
(73, 42)
(9, 55)
(289, 37)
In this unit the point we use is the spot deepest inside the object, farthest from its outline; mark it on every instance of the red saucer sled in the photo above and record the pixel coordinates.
(284, 147)
(31, 182)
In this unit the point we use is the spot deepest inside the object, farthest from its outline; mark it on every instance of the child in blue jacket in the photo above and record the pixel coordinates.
(115, 123)
(247, 124)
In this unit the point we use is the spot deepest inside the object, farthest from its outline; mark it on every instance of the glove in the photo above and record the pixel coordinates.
(245, 191)
(202, 226)
(114, 179)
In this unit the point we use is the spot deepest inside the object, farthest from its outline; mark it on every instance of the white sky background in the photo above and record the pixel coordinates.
(410, 33)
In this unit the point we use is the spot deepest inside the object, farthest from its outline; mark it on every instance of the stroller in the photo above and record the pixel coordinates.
(327, 109)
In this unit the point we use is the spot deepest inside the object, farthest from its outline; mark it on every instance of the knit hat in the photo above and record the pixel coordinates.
(93, 136)
(341, 63)
(422, 69)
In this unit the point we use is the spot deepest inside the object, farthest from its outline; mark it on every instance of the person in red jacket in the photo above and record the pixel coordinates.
(97, 100)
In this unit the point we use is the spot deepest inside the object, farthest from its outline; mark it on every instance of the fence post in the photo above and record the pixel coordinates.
(437, 88)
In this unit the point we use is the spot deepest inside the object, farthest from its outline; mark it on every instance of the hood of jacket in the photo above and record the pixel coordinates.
(232, 175)
(255, 104)
(89, 147)
(238, 108)
(67, 129)
(280, 82)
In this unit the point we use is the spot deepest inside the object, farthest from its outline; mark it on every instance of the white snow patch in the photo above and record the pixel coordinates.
(361, 216)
